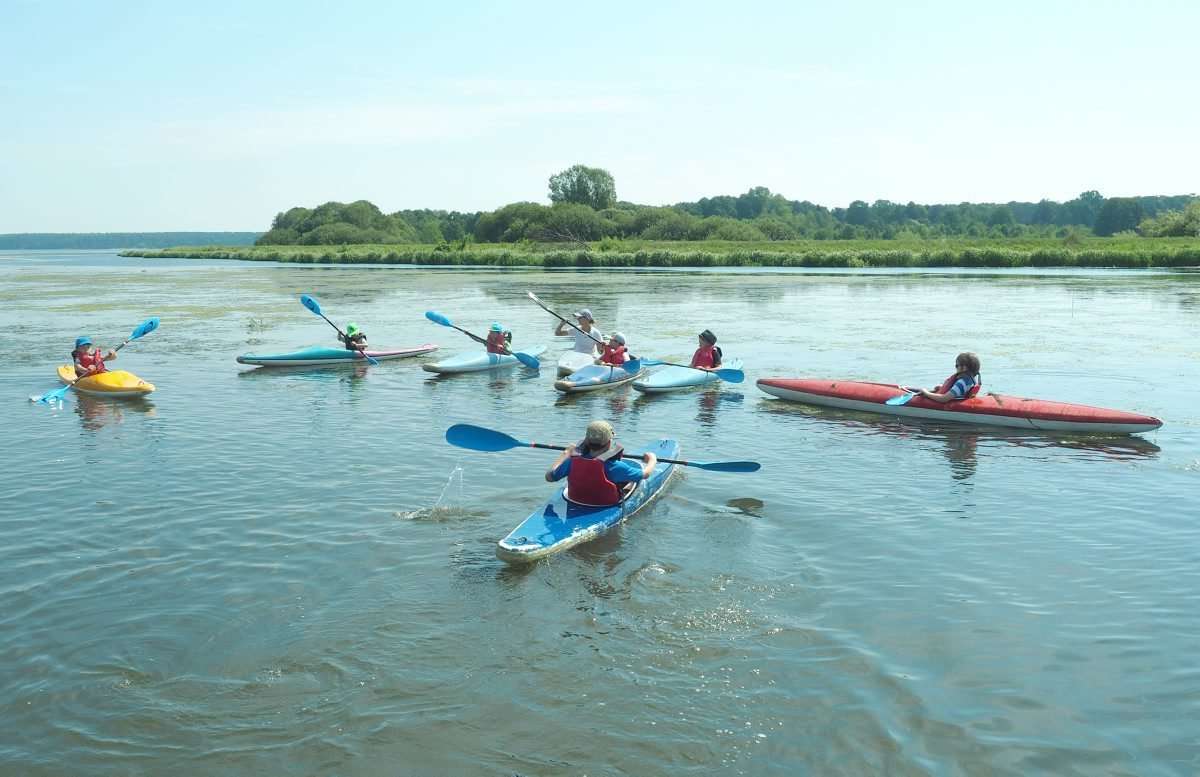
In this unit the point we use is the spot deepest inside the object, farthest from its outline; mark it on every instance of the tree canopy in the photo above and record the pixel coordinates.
(583, 185)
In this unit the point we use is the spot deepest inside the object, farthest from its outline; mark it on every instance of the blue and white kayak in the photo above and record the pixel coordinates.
(478, 360)
(676, 378)
(571, 361)
(561, 523)
(596, 376)
(317, 357)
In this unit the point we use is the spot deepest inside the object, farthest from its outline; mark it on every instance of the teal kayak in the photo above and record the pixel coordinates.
(675, 378)
(316, 357)
(477, 360)
(561, 523)
(595, 376)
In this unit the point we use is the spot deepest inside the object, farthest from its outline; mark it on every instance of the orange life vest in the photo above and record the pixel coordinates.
(949, 382)
(616, 356)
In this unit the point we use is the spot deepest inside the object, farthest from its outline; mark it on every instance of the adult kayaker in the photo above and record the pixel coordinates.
(585, 341)
(615, 353)
(88, 361)
(498, 339)
(963, 384)
(354, 339)
(708, 355)
(595, 470)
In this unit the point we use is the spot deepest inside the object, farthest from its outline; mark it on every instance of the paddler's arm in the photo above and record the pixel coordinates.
(561, 329)
(649, 462)
(934, 396)
(552, 474)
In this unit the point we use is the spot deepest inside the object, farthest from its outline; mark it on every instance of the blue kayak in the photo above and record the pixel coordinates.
(561, 524)
(675, 378)
(595, 376)
(315, 357)
(477, 360)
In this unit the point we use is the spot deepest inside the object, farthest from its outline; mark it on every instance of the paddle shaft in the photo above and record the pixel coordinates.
(622, 456)
(560, 318)
(715, 370)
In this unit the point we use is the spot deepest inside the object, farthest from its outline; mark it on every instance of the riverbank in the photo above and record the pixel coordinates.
(1085, 252)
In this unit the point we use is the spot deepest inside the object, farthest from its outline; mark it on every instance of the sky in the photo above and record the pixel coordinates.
(156, 116)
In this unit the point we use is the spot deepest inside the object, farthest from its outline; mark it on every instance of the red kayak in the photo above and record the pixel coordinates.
(983, 409)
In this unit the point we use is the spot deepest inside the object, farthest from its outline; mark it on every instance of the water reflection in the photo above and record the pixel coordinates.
(97, 412)
(960, 443)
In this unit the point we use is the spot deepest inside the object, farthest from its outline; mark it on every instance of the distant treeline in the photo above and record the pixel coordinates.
(34, 241)
(584, 211)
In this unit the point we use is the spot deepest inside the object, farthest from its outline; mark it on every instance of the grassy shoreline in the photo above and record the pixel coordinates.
(1028, 252)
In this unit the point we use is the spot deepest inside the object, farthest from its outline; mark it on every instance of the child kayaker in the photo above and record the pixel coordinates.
(587, 340)
(708, 355)
(498, 339)
(354, 339)
(963, 384)
(595, 470)
(615, 353)
(88, 361)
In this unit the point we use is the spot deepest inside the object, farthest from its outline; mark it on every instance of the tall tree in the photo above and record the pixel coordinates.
(1117, 215)
(584, 185)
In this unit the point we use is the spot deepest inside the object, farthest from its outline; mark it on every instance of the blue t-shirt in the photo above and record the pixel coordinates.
(962, 386)
(617, 470)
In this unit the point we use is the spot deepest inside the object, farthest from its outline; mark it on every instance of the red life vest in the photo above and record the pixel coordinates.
(497, 343)
(949, 382)
(588, 483)
(706, 356)
(612, 355)
(91, 361)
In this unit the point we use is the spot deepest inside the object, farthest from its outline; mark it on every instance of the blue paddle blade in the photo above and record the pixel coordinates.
(437, 318)
(53, 396)
(731, 375)
(900, 400)
(651, 362)
(310, 303)
(144, 328)
(727, 466)
(479, 438)
(528, 360)
(633, 366)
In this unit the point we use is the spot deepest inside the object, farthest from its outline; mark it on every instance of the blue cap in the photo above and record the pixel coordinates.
(80, 341)
(496, 327)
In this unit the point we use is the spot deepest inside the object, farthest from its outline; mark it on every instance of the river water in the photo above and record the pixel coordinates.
(291, 573)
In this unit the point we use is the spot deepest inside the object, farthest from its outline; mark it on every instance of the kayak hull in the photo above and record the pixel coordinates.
(572, 361)
(319, 357)
(595, 377)
(477, 361)
(114, 383)
(679, 378)
(983, 410)
(561, 524)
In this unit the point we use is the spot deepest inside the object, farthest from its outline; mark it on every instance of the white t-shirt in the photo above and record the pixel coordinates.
(584, 342)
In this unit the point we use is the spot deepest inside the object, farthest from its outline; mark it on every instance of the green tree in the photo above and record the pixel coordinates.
(583, 185)
(1117, 215)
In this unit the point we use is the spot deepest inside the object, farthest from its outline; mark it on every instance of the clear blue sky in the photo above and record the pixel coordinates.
(162, 116)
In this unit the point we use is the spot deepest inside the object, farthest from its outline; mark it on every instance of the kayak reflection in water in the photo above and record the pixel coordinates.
(595, 470)
(355, 339)
(963, 384)
(615, 353)
(708, 355)
(88, 361)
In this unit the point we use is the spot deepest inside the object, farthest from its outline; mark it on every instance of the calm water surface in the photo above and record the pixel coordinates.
(291, 573)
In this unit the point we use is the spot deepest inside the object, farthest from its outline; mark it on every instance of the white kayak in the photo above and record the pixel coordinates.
(573, 361)
(476, 361)
(676, 378)
(596, 376)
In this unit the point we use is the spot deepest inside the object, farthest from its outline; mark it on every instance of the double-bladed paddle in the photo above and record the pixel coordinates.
(529, 360)
(142, 329)
(479, 438)
(315, 307)
(727, 374)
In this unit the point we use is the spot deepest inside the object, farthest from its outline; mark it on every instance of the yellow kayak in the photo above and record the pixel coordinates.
(114, 383)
